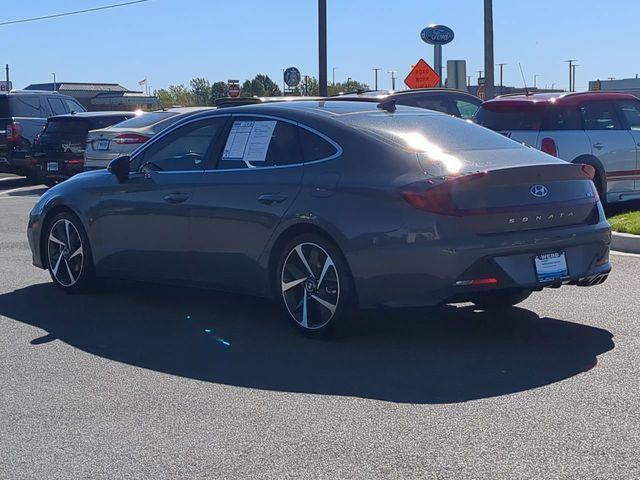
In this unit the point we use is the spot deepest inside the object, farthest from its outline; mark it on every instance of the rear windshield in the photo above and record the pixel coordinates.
(67, 127)
(146, 119)
(415, 132)
(532, 119)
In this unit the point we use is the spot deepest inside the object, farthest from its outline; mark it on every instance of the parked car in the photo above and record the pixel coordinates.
(59, 149)
(328, 205)
(454, 102)
(23, 115)
(595, 128)
(105, 144)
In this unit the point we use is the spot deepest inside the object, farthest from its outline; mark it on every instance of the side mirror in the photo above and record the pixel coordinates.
(120, 167)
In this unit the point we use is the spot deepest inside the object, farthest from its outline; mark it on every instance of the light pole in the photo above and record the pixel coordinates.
(535, 80)
(488, 49)
(573, 87)
(54, 81)
(501, 65)
(375, 77)
(570, 62)
(393, 79)
(322, 47)
(333, 78)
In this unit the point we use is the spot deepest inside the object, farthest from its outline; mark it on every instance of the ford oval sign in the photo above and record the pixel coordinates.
(437, 35)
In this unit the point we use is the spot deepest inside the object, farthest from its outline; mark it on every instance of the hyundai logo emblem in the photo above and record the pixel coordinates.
(539, 191)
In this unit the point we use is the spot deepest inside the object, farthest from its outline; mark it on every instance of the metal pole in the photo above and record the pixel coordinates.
(570, 62)
(333, 78)
(574, 77)
(488, 49)
(322, 46)
(7, 72)
(501, 65)
(375, 77)
(535, 80)
(437, 62)
(393, 79)
(54, 81)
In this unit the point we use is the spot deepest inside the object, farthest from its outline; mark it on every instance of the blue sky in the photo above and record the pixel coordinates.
(171, 41)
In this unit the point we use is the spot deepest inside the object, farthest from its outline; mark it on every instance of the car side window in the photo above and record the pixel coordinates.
(314, 147)
(599, 116)
(442, 104)
(631, 113)
(186, 148)
(254, 142)
(56, 105)
(26, 106)
(73, 106)
(465, 108)
(562, 118)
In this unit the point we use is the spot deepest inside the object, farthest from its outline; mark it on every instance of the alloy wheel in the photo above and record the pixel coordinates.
(310, 285)
(65, 252)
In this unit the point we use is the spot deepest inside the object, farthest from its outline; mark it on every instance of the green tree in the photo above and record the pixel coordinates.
(218, 90)
(182, 96)
(350, 86)
(246, 89)
(200, 91)
(165, 99)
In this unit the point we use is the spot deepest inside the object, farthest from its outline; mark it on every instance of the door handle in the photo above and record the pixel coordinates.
(176, 197)
(598, 145)
(271, 198)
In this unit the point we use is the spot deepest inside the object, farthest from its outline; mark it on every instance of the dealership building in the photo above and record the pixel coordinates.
(101, 96)
(628, 85)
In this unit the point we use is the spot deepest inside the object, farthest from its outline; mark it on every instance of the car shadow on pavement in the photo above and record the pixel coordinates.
(442, 355)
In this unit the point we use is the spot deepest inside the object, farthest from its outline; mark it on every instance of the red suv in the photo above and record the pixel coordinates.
(601, 129)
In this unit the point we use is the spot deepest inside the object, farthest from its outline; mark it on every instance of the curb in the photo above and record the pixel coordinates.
(625, 242)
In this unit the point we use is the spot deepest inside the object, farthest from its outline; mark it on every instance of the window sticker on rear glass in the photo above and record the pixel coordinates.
(249, 141)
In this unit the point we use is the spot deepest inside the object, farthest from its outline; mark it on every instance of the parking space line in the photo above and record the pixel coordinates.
(19, 189)
(624, 254)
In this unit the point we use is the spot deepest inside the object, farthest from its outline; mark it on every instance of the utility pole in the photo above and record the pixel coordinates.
(535, 80)
(573, 87)
(7, 72)
(570, 62)
(322, 47)
(488, 49)
(54, 81)
(375, 77)
(393, 79)
(501, 65)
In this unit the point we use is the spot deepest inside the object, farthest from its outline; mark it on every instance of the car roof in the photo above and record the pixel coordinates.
(378, 94)
(563, 99)
(94, 114)
(327, 109)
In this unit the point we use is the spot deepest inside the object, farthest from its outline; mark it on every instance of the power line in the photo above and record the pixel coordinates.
(76, 12)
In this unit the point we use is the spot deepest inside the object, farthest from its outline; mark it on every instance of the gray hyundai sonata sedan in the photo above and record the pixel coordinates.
(328, 206)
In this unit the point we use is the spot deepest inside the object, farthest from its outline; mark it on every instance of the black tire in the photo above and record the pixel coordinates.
(501, 299)
(325, 286)
(68, 254)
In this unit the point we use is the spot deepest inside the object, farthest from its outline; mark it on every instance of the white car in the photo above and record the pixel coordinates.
(105, 144)
(601, 129)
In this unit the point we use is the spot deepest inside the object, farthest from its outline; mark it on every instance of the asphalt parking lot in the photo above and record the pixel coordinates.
(142, 381)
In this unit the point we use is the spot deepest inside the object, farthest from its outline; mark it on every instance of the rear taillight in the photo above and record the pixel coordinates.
(75, 161)
(589, 171)
(130, 139)
(14, 131)
(436, 198)
(549, 146)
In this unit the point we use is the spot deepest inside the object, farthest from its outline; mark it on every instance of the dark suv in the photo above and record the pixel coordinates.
(23, 115)
(59, 150)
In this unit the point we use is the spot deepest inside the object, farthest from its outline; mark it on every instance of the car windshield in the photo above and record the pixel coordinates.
(146, 119)
(421, 132)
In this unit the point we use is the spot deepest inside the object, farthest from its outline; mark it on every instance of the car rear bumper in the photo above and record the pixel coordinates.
(403, 270)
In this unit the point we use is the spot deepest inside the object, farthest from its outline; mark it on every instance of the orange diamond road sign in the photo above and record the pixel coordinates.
(422, 76)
